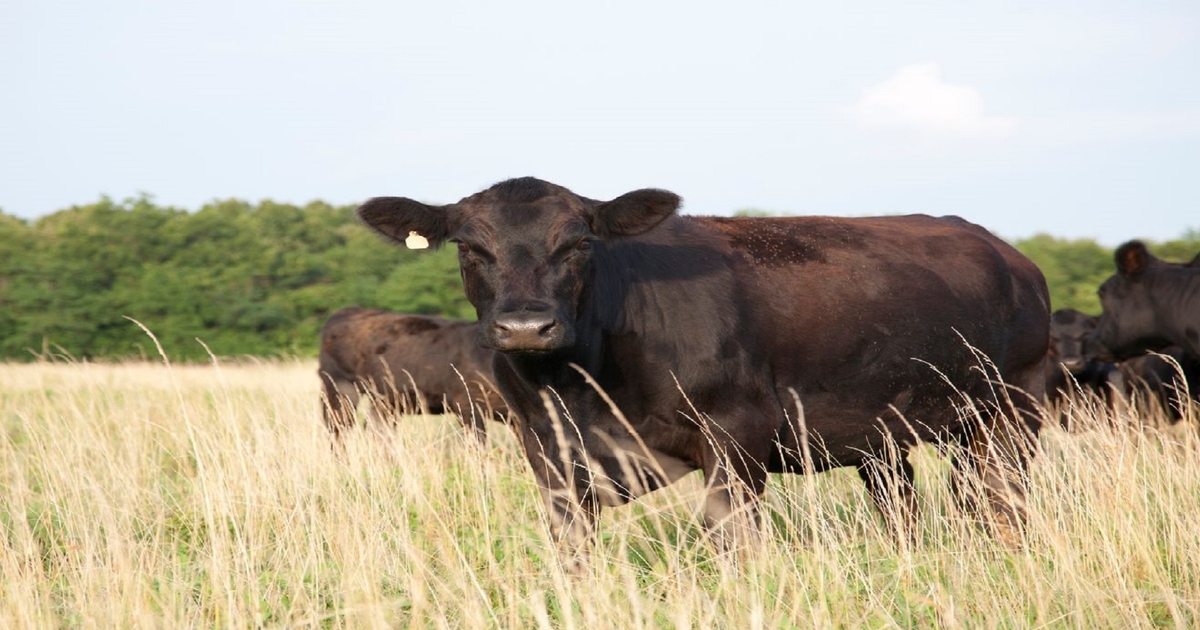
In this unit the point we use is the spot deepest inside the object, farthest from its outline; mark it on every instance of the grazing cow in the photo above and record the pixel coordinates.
(405, 364)
(635, 345)
(1148, 305)
(1069, 369)
(1167, 378)
(1152, 305)
(1152, 379)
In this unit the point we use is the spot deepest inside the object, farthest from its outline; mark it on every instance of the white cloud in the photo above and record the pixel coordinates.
(918, 105)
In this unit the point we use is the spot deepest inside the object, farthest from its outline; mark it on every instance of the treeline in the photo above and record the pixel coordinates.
(1074, 269)
(246, 279)
(260, 279)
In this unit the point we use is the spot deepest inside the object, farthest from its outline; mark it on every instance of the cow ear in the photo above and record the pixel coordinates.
(633, 213)
(1194, 262)
(1132, 258)
(397, 217)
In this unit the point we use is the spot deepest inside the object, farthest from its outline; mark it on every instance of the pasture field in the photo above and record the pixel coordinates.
(145, 495)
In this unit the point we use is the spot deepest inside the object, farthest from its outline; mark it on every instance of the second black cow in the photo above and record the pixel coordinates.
(1070, 369)
(405, 364)
(1149, 382)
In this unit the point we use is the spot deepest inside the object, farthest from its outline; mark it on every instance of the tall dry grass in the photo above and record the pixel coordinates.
(136, 495)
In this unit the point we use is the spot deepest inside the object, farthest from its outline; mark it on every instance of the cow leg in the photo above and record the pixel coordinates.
(389, 405)
(736, 476)
(731, 508)
(572, 506)
(889, 481)
(572, 519)
(340, 401)
(990, 473)
(474, 419)
(473, 416)
(561, 471)
(990, 477)
(473, 410)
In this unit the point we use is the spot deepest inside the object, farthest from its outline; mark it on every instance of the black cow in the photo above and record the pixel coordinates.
(1148, 305)
(1069, 368)
(1156, 380)
(1152, 305)
(635, 345)
(1168, 378)
(405, 364)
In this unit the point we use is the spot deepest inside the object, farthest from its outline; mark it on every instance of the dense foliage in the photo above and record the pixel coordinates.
(244, 279)
(260, 279)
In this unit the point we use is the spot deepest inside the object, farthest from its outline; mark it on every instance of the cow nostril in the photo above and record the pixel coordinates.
(526, 330)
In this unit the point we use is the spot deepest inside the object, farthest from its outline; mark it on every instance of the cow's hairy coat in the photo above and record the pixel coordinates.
(701, 329)
(405, 364)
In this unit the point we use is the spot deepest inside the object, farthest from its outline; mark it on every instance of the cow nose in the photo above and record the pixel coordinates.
(526, 331)
(1074, 364)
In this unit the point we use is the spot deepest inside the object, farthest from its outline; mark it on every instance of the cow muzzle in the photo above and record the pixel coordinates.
(527, 331)
(1074, 365)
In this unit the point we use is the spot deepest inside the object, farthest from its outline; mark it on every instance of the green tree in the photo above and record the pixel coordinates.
(1074, 269)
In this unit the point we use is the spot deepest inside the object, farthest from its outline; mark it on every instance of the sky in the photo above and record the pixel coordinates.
(1076, 119)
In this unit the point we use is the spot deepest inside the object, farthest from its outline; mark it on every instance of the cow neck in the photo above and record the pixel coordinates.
(602, 307)
(1176, 291)
(640, 283)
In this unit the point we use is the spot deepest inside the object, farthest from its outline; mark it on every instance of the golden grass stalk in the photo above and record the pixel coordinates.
(137, 495)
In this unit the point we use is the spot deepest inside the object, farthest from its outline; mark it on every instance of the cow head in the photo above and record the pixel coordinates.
(524, 250)
(1069, 329)
(1127, 327)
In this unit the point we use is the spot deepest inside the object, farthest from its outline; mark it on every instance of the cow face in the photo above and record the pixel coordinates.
(524, 249)
(1069, 329)
(1127, 327)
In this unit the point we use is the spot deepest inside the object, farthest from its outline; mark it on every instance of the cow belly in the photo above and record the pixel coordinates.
(841, 431)
(636, 468)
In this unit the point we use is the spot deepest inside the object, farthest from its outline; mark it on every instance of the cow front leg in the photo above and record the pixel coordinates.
(990, 478)
(472, 415)
(889, 481)
(572, 521)
(736, 478)
(339, 401)
(565, 483)
(474, 419)
(572, 509)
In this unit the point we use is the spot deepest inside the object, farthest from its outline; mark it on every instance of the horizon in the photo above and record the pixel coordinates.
(1187, 234)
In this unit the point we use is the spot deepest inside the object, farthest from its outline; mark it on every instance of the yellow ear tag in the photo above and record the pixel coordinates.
(416, 241)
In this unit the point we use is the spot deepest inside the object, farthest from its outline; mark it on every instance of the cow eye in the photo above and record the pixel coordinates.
(474, 252)
(583, 245)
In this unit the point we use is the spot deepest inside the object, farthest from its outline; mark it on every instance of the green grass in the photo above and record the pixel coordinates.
(135, 495)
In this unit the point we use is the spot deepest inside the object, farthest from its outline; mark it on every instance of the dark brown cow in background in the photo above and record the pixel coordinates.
(1169, 377)
(1150, 380)
(1069, 368)
(699, 330)
(405, 364)
(1150, 305)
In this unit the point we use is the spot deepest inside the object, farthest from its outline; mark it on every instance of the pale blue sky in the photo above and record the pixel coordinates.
(1080, 119)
